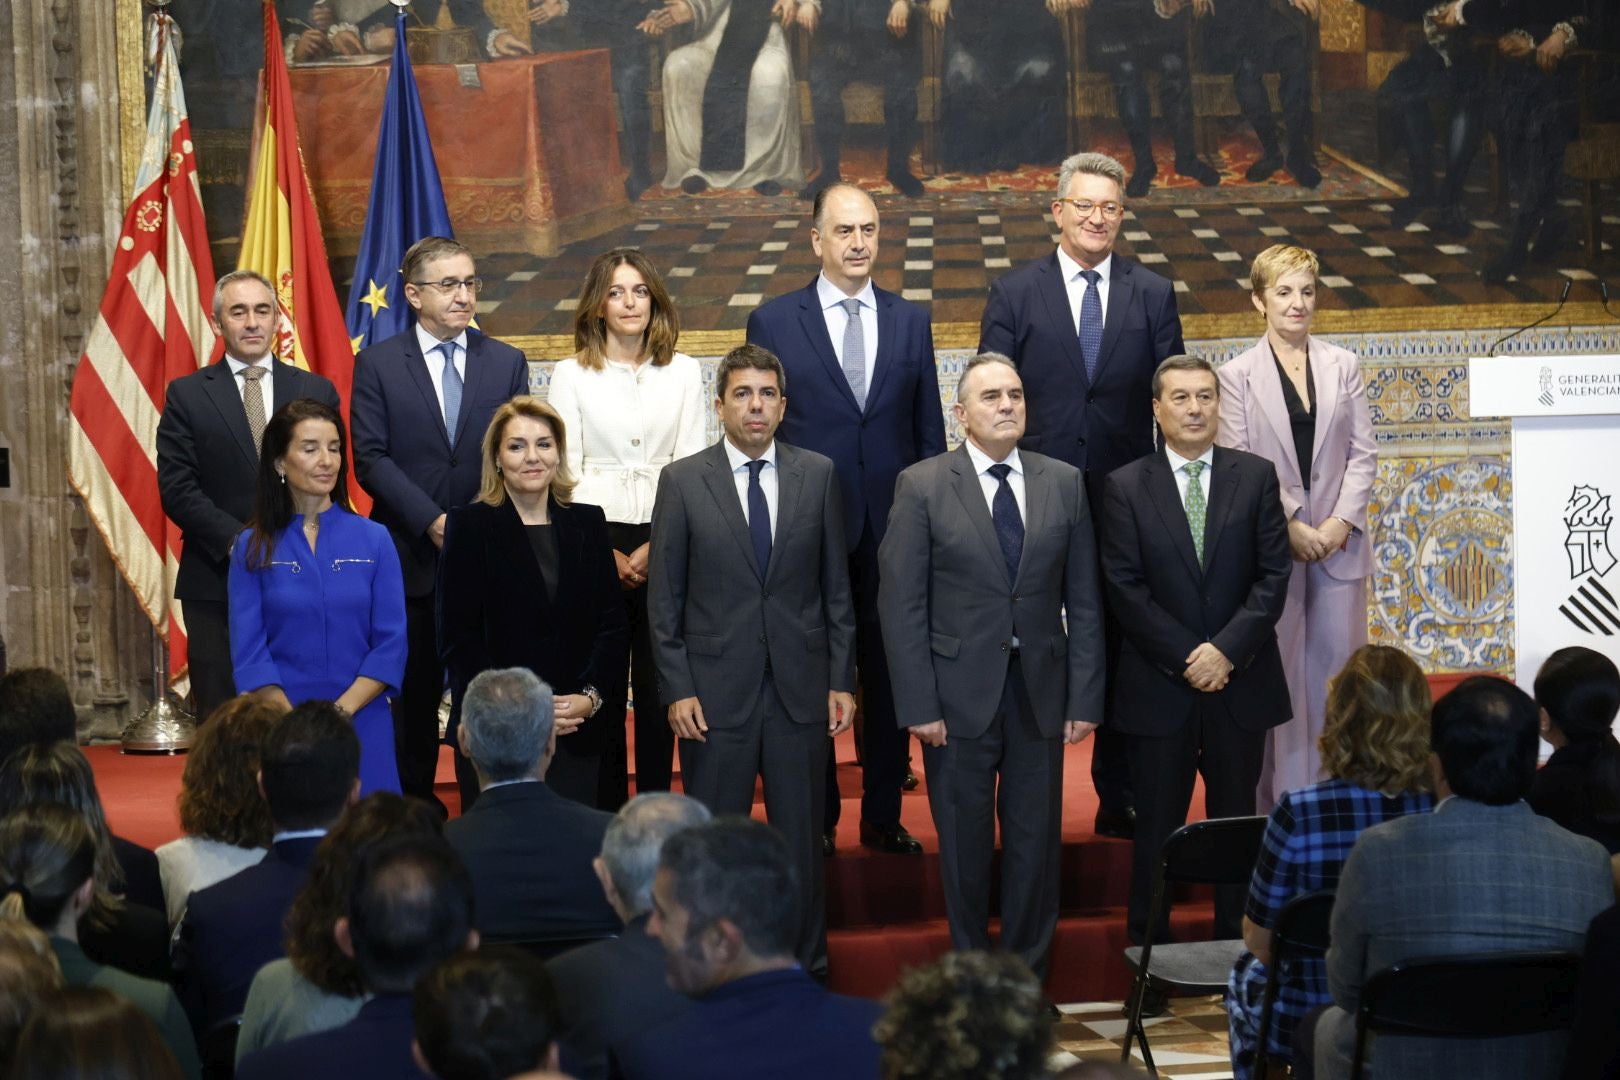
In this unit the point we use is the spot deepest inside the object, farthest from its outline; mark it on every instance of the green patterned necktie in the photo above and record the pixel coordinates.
(1195, 506)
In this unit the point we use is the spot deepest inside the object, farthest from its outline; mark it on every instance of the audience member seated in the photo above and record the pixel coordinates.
(47, 877)
(88, 1033)
(486, 1015)
(968, 1016)
(116, 931)
(1594, 1043)
(309, 769)
(1579, 787)
(529, 849)
(1482, 873)
(1375, 752)
(225, 819)
(37, 708)
(316, 986)
(28, 973)
(726, 907)
(411, 907)
(610, 990)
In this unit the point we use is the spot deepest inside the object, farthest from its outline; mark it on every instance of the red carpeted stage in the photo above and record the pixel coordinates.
(885, 912)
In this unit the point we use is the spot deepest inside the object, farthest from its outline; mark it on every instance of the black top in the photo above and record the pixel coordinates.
(543, 540)
(1301, 416)
(1567, 790)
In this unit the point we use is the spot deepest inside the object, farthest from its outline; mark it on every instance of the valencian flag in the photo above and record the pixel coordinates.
(281, 239)
(407, 203)
(152, 327)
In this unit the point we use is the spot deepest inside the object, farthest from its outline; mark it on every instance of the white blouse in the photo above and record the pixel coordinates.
(624, 425)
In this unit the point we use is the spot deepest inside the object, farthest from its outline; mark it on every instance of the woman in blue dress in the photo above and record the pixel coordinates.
(317, 603)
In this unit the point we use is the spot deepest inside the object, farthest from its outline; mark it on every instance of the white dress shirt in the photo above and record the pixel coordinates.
(624, 425)
(832, 298)
(435, 360)
(767, 478)
(1075, 285)
(266, 383)
(988, 484)
(1178, 466)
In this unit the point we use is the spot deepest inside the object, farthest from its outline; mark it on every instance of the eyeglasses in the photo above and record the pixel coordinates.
(1111, 211)
(450, 285)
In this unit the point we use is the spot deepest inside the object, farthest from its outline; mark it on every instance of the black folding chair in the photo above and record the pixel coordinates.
(216, 1050)
(1301, 932)
(1477, 996)
(1220, 851)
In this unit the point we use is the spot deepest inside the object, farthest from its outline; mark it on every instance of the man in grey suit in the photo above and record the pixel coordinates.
(1482, 873)
(987, 549)
(752, 623)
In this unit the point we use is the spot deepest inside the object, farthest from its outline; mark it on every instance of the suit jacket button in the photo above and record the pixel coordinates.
(1003, 646)
(454, 462)
(762, 637)
(1090, 398)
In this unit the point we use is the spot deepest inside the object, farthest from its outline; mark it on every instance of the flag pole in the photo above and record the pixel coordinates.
(165, 727)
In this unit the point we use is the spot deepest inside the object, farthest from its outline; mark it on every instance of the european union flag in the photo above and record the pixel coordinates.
(407, 203)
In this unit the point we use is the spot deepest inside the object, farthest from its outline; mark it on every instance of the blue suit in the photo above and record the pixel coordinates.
(233, 928)
(376, 1043)
(901, 424)
(404, 460)
(779, 1024)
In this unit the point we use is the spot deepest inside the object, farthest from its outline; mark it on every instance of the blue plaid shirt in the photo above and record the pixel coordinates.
(1307, 841)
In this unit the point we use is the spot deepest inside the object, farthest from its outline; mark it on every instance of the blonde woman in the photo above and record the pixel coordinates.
(526, 579)
(632, 404)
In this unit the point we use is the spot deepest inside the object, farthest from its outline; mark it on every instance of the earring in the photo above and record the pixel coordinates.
(283, 477)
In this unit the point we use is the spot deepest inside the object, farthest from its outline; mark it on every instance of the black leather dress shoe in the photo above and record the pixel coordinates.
(1119, 824)
(889, 838)
(1155, 1002)
(910, 782)
(829, 844)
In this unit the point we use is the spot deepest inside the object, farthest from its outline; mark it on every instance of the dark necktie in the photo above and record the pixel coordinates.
(1091, 323)
(1009, 526)
(759, 518)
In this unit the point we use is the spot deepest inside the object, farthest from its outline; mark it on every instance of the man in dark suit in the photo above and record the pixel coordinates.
(1196, 559)
(868, 40)
(866, 395)
(726, 909)
(529, 849)
(988, 550)
(411, 907)
(611, 991)
(1086, 328)
(751, 620)
(208, 464)
(309, 771)
(422, 400)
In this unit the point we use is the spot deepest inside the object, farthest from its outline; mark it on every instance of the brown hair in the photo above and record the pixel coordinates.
(590, 325)
(972, 1015)
(1277, 262)
(219, 789)
(427, 250)
(28, 973)
(1182, 362)
(492, 489)
(748, 357)
(325, 895)
(1377, 729)
(60, 773)
(90, 1033)
(47, 852)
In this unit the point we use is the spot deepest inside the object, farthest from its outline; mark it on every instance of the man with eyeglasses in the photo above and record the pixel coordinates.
(1086, 328)
(422, 401)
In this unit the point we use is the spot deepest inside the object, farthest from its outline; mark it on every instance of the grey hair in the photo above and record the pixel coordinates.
(241, 275)
(1182, 362)
(635, 839)
(1088, 164)
(507, 714)
(978, 362)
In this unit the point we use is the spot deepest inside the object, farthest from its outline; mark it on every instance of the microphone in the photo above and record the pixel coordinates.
(1603, 291)
(1509, 337)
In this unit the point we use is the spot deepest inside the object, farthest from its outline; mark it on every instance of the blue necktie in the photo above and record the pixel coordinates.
(759, 518)
(1091, 323)
(451, 383)
(1009, 526)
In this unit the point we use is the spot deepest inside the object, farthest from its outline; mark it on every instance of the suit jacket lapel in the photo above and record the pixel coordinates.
(1325, 380)
(1222, 492)
(814, 325)
(1166, 496)
(971, 494)
(471, 384)
(1037, 496)
(512, 542)
(1055, 295)
(789, 485)
(1267, 386)
(416, 368)
(878, 364)
(723, 489)
(1121, 287)
(220, 385)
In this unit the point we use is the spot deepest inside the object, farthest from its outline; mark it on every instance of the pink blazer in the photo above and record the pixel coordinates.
(1254, 417)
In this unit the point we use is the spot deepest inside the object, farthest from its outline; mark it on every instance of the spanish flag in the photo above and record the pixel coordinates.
(281, 239)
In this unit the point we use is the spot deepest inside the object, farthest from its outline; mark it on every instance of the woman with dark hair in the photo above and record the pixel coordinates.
(631, 405)
(1375, 753)
(526, 537)
(47, 878)
(316, 987)
(115, 931)
(226, 821)
(1579, 787)
(317, 600)
(89, 1033)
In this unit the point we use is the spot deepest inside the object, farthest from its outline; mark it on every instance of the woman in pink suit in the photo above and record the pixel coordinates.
(1299, 401)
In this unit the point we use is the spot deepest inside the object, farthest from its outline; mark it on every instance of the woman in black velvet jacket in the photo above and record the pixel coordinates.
(1579, 787)
(527, 579)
